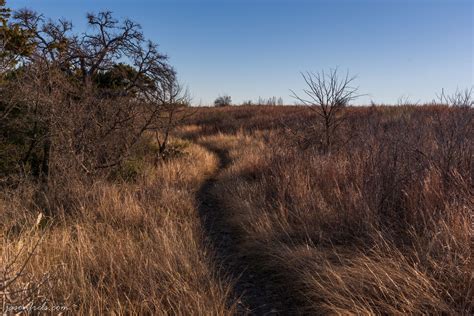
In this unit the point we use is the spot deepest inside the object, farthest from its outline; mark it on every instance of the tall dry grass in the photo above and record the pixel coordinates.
(121, 247)
(382, 225)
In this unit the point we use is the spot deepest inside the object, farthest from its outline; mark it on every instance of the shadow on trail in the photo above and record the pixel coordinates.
(254, 290)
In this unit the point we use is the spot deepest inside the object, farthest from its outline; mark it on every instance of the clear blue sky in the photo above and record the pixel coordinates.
(258, 48)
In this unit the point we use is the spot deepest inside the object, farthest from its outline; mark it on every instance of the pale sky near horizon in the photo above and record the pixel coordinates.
(250, 49)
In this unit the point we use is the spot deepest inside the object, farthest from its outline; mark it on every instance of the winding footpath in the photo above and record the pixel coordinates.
(254, 294)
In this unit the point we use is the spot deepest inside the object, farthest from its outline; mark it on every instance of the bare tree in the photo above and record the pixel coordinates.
(223, 100)
(327, 94)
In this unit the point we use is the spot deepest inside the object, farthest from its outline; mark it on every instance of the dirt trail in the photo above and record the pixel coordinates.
(256, 297)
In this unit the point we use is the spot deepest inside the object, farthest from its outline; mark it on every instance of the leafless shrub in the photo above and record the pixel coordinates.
(453, 142)
(173, 102)
(462, 98)
(327, 94)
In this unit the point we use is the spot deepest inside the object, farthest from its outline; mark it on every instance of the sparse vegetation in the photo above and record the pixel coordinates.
(383, 225)
(118, 197)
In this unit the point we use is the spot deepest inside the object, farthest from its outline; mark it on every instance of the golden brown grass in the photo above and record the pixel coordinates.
(123, 247)
(382, 225)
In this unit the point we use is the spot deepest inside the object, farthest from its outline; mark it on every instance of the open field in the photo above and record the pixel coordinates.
(122, 194)
(381, 224)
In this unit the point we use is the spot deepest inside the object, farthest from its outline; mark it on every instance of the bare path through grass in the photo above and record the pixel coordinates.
(379, 226)
(256, 296)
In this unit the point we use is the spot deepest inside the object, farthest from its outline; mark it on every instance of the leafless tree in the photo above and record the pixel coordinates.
(223, 100)
(327, 94)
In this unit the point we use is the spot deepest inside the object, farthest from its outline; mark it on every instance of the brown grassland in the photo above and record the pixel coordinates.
(117, 197)
(380, 224)
(129, 246)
